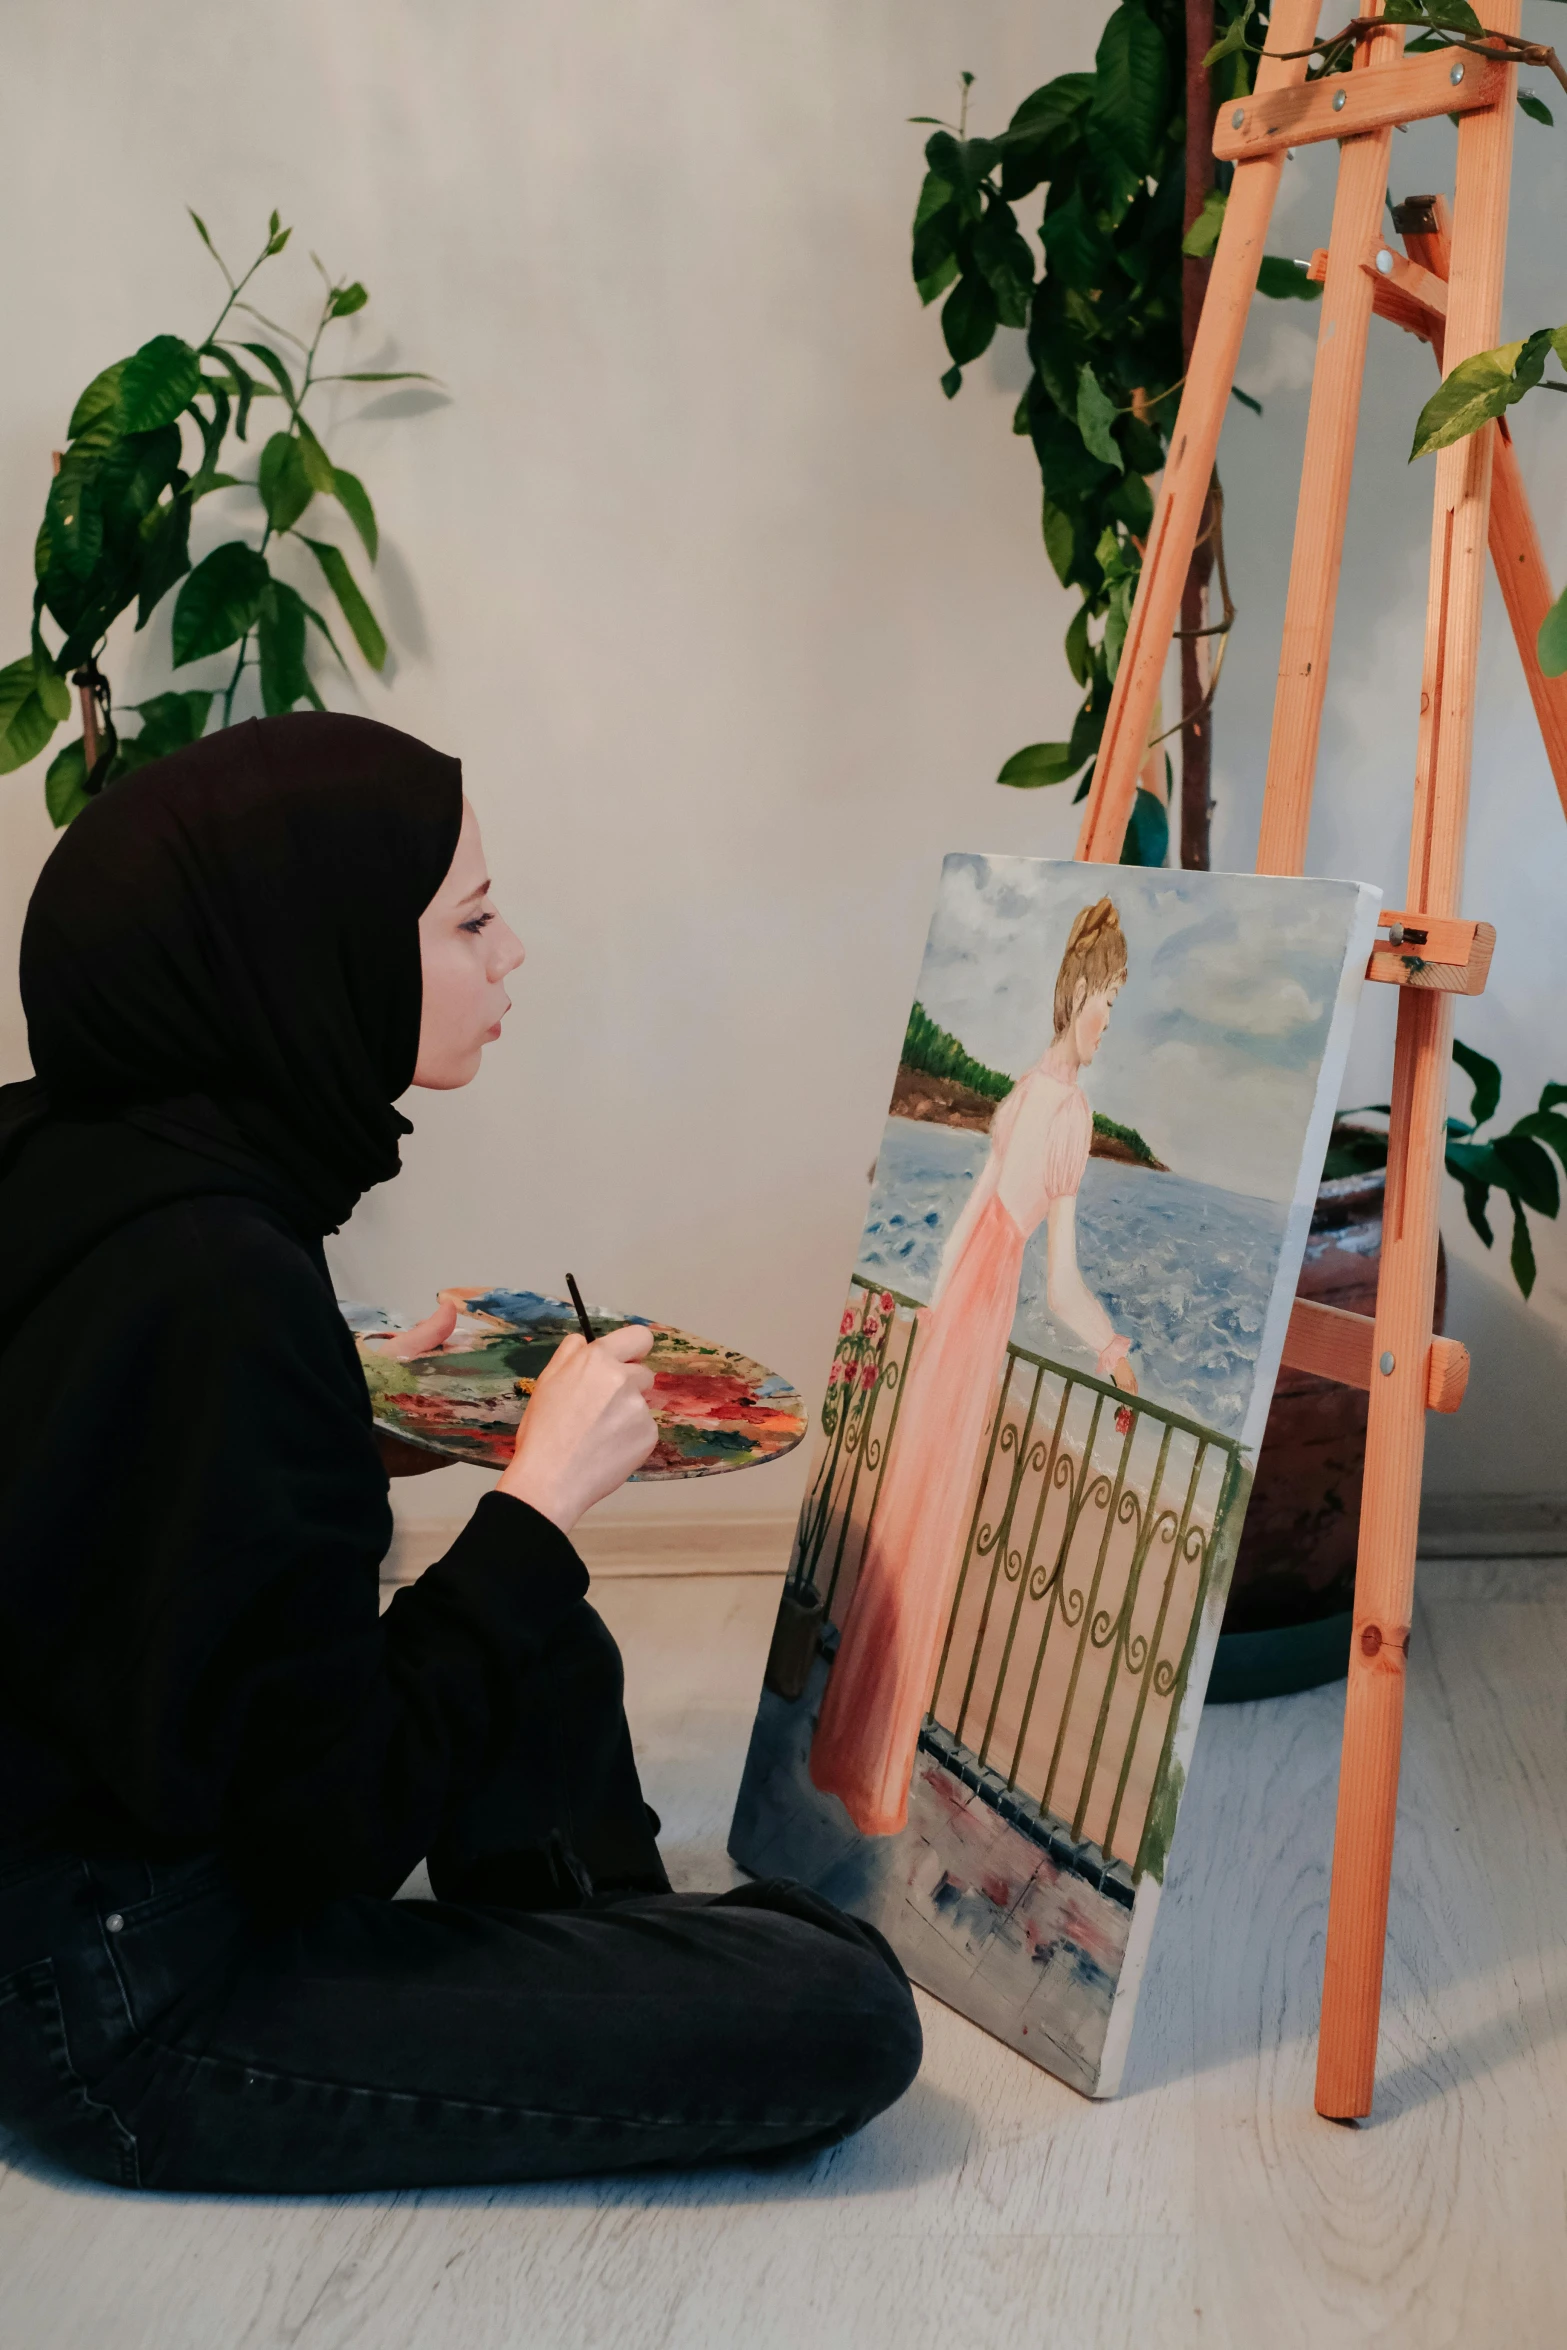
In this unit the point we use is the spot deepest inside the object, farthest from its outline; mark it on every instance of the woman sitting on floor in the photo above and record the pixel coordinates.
(218, 1761)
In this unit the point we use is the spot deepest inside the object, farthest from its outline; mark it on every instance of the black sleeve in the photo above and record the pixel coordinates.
(236, 1683)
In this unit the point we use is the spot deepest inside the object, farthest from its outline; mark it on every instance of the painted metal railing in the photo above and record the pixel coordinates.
(1098, 1525)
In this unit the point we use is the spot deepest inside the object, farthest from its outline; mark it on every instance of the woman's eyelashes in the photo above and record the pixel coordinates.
(477, 923)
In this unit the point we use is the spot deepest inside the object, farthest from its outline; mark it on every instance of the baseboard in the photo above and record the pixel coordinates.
(671, 1546)
(1493, 1525)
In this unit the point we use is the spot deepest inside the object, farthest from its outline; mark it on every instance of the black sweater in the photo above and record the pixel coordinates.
(192, 1518)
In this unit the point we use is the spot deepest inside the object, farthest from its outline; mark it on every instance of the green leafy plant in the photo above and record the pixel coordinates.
(1484, 387)
(1517, 1163)
(116, 532)
(1132, 212)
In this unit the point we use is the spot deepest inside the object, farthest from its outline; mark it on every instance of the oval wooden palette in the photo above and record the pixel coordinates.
(715, 1409)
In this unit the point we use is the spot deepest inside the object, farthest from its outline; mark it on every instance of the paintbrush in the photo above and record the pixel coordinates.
(583, 1324)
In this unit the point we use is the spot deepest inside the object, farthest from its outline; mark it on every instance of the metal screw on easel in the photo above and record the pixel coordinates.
(1385, 1365)
(1456, 76)
(1339, 97)
(1385, 262)
(1238, 119)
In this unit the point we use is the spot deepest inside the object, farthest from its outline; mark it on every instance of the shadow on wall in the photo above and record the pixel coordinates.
(1507, 1439)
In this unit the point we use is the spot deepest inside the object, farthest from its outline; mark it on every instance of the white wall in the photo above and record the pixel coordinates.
(729, 614)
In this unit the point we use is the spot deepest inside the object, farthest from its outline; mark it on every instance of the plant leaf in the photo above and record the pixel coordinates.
(219, 601)
(1485, 1078)
(165, 551)
(347, 300)
(1095, 414)
(316, 462)
(1530, 1172)
(1551, 643)
(1147, 839)
(1476, 1196)
(1131, 101)
(1234, 38)
(65, 784)
(1038, 764)
(280, 640)
(275, 368)
(379, 375)
(968, 318)
(1551, 1095)
(352, 496)
(1536, 108)
(286, 488)
(169, 722)
(25, 723)
(100, 401)
(1546, 1127)
(1203, 235)
(1286, 281)
(1060, 542)
(1477, 390)
(159, 380)
(357, 613)
(1522, 1251)
(1005, 262)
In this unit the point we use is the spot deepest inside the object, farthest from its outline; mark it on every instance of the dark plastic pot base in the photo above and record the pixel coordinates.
(1277, 1663)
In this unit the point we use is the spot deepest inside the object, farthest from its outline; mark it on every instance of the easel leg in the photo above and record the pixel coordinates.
(1395, 1441)
(1385, 1570)
(1324, 489)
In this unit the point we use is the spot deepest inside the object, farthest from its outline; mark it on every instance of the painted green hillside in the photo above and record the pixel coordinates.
(936, 1052)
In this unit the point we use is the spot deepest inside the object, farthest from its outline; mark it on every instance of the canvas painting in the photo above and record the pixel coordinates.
(1053, 1367)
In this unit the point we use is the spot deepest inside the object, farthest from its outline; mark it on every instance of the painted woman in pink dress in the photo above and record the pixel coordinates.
(880, 1684)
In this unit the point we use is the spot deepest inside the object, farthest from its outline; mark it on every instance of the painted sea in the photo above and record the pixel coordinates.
(1185, 1269)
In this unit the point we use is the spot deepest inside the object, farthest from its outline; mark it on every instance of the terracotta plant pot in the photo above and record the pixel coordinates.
(1287, 1622)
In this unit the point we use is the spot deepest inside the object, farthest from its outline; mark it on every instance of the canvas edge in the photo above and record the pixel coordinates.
(1319, 1127)
(1335, 1049)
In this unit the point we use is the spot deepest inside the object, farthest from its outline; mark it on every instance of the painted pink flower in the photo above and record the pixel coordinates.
(885, 1301)
(872, 1329)
(835, 1374)
(1123, 1420)
(847, 1324)
(868, 1376)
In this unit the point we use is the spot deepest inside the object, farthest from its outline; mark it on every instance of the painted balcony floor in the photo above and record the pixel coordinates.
(994, 2207)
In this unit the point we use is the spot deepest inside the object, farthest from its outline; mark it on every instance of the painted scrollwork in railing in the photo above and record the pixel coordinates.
(1091, 1542)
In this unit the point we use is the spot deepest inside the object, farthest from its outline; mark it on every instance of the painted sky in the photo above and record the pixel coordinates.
(1215, 1041)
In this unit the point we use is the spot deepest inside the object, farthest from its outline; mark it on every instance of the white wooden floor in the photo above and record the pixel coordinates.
(993, 2207)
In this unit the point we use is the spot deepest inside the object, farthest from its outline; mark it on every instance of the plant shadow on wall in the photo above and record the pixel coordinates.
(1133, 206)
(147, 441)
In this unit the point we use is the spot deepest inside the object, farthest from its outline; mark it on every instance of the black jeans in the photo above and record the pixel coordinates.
(555, 2010)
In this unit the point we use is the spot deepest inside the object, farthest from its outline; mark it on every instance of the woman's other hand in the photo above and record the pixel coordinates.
(587, 1426)
(1125, 1377)
(422, 1339)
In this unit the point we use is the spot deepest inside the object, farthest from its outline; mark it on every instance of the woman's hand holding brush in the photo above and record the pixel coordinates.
(587, 1426)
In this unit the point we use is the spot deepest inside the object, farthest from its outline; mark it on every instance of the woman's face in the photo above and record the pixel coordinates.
(1091, 1019)
(465, 952)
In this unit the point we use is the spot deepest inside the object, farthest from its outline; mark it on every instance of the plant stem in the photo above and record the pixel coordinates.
(294, 408)
(1196, 729)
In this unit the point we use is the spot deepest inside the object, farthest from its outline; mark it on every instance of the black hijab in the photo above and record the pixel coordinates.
(220, 971)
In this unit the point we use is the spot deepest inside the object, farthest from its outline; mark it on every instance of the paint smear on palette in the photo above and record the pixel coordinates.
(715, 1409)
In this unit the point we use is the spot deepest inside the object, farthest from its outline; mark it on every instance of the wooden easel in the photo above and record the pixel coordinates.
(1446, 287)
